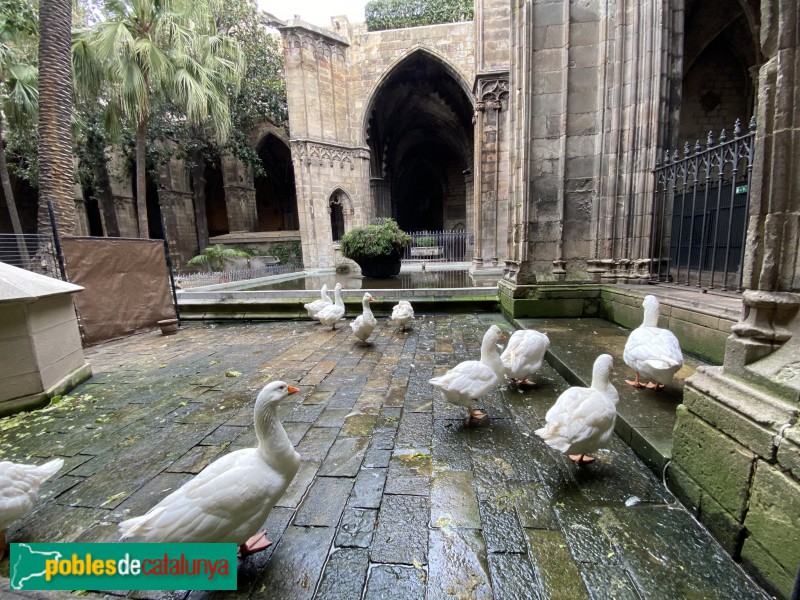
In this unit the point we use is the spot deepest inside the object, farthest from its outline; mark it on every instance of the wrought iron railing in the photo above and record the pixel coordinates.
(30, 251)
(700, 212)
(192, 280)
(439, 246)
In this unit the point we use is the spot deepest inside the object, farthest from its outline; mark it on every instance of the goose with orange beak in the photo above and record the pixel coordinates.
(230, 499)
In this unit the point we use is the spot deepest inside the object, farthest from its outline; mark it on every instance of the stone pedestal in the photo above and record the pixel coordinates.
(736, 463)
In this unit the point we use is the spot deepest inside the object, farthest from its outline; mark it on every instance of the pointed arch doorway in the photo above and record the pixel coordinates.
(420, 134)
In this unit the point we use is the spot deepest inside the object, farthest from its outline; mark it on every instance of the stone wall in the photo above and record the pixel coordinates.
(332, 77)
(736, 457)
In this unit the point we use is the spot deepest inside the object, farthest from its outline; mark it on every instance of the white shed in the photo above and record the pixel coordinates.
(41, 354)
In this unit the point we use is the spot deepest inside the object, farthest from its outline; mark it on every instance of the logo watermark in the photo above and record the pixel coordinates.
(115, 566)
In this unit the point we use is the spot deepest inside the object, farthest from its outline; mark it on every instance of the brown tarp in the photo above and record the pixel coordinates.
(126, 281)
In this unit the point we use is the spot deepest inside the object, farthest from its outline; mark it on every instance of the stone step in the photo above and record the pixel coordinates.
(645, 417)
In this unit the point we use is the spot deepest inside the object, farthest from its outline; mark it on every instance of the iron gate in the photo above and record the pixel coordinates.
(700, 212)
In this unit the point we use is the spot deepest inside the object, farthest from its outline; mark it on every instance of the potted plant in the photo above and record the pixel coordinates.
(376, 248)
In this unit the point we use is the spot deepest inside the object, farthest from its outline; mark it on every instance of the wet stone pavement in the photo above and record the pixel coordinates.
(395, 497)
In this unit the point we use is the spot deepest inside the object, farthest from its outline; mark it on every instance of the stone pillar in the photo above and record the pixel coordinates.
(81, 216)
(736, 453)
(240, 202)
(240, 195)
(176, 202)
(381, 192)
(491, 170)
(178, 212)
(121, 183)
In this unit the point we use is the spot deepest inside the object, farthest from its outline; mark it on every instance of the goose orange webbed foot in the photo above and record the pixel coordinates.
(478, 417)
(636, 383)
(257, 543)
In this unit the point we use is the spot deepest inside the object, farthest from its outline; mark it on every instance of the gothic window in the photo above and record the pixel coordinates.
(337, 215)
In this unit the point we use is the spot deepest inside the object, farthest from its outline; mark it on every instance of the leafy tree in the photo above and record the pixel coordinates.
(261, 96)
(156, 53)
(398, 14)
(18, 88)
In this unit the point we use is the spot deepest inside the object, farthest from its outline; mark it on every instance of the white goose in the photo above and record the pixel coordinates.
(230, 499)
(402, 314)
(19, 490)
(330, 315)
(652, 352)
(364, 324)
(582, 419)
(317, 305)
(472, 379)
(524, 354)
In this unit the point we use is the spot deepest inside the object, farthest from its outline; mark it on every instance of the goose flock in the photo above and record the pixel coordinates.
(230, 499)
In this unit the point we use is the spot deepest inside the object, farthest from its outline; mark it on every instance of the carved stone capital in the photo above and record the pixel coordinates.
(766, 315)
(492, 90)
(764, 328)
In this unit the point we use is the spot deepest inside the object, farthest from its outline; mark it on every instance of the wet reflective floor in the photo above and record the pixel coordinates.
(395, 497)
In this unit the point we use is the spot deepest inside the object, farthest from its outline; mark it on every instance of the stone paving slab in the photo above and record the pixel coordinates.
(395, 497)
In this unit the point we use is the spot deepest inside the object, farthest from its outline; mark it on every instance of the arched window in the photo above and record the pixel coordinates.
(337, 215)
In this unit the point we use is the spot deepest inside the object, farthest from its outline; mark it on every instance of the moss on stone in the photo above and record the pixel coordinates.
(721, 466)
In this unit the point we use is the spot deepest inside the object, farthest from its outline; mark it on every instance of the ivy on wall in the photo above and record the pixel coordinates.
(399, 14)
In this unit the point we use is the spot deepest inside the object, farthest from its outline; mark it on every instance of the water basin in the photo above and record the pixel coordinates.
(408, 280)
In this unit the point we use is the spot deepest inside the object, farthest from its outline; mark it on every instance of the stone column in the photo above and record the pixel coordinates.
(121, 184)
(125, 212)
(177, 210)
(81, 217)
(240, 195)
(491, 170)
(381, 192)
(240, 202)
(477, 251)
(736, 452)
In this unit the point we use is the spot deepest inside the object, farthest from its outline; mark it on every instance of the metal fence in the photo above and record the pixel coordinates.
(700, 212)
(439, 246)
(192, 280)
(30, 251)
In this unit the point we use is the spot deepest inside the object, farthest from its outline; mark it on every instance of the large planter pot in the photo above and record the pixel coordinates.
(380, 267)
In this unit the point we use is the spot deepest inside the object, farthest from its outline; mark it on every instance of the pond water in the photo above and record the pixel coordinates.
(403, 281)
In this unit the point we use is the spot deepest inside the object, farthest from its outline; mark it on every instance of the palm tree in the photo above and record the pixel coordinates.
(153, 50)
(56, 168)
(19, 92)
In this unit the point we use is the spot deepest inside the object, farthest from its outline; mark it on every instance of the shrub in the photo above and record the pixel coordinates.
(426, 241)
(383, 239)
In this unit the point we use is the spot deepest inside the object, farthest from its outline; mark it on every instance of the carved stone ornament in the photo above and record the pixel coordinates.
(319, 45)
(491, 93)
(327, 155)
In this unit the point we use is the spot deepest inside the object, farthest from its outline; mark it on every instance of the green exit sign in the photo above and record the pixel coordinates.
(741, 189)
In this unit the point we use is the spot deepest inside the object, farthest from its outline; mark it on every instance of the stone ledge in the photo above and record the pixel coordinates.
(747, 414)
